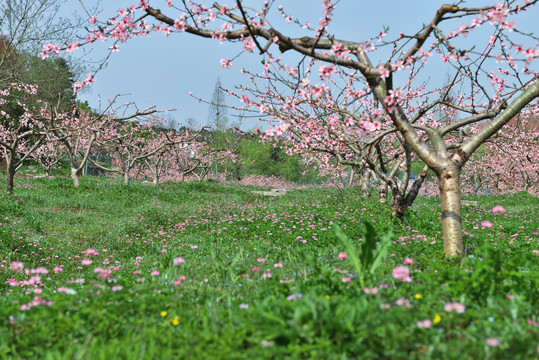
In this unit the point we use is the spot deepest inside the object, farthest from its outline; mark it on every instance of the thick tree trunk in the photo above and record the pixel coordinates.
(449, 183)
(75, 175)
(398, 206)
(126, 178)
(155, 180)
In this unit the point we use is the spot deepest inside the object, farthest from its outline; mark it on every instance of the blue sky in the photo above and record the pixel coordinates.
(159, 70)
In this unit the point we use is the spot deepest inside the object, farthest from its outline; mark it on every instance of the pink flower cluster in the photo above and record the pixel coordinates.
(393, 99)
(38, 300)
(498, 209)
(402, 272)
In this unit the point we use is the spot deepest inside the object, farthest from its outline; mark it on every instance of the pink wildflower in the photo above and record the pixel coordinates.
(17, 266)
(486, 224)
(403, 302)
(371, 291)
(177, 261)
(454, 306)
(426, 324)
(408, 261)
(342, 256)
(402, 273)
(493, 342)
(179, 280)
(498, 209)
(294, 297)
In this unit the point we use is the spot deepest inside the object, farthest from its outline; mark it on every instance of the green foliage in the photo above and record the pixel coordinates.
(54, 78)
(270, 159)
(370, 254)
(228, 306)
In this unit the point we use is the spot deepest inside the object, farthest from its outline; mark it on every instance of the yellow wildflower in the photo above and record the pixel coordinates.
(437, 319)
(418, 296)
(327, 297)
(175, 321)
(163, 313)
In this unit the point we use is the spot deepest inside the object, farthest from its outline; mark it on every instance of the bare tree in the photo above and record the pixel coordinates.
(25, 25)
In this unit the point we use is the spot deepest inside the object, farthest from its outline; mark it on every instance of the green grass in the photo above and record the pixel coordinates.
(228, 306)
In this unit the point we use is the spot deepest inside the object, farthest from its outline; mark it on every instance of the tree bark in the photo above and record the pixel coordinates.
(365, 183)
(126, 178)
(382, 192)
(75, 175)
(448, 181)
(480, 183)
(350, 177)
(526, 181)
(398, 206)
(10, 175)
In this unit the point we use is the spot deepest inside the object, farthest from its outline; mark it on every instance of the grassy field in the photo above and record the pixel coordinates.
(212, 271)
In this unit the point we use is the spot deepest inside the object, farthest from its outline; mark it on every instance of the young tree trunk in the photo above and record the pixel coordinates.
(478, 186)
(526, 181)
(155, 180)
(10, 175)
(75, 175)
(365, 183)
(448, 181)
(350, 177)
(496, 184)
